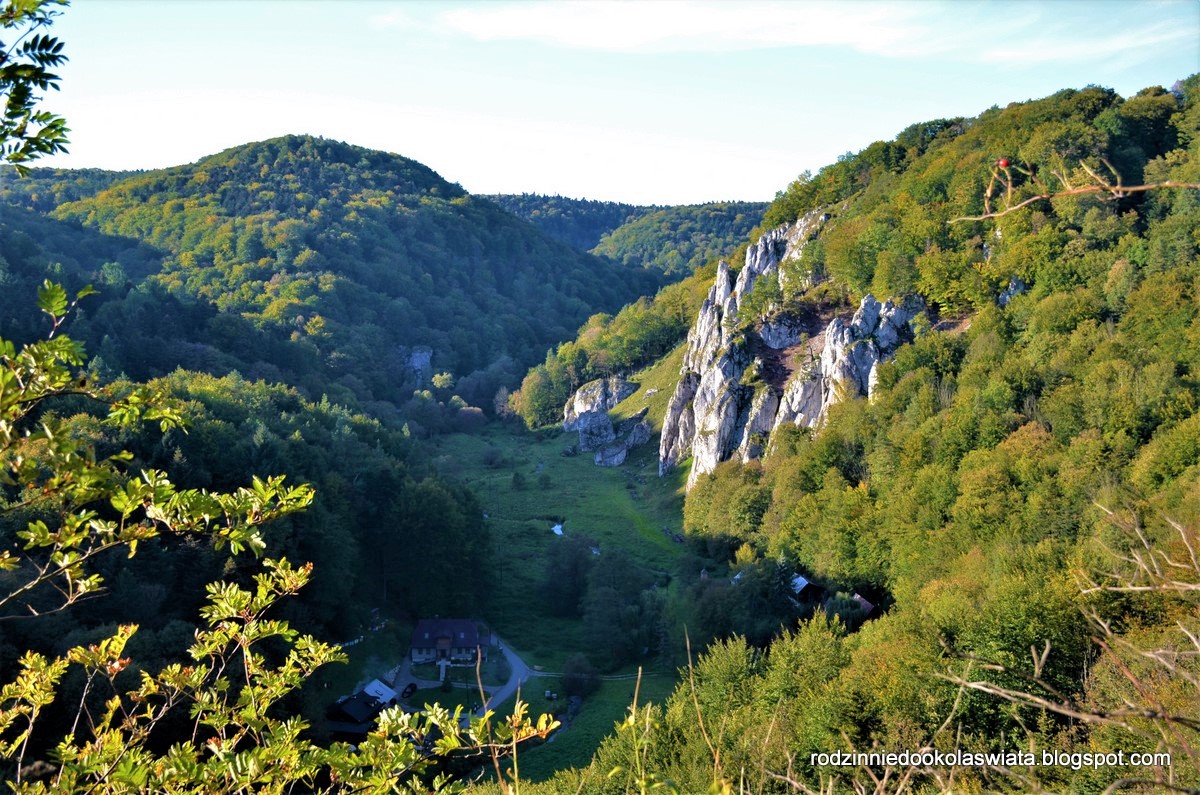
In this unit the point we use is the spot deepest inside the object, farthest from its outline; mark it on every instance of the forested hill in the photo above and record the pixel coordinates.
(580, 223)
(678, 240)
(672, 240)
(43, 189)
(322, 264)
(1003, 536)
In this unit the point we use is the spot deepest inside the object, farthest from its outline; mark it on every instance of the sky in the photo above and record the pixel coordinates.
(646, 102)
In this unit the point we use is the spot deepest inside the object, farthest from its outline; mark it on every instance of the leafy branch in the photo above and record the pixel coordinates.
(1160, 681)
(27, 133)
(81, 506)
(238, 744)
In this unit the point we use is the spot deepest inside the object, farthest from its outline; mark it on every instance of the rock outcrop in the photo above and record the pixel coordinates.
(1016, 286)
(586, 412)
(849, 357)
(595, 430)
(631, 433)
(726, 403)
(601, 395)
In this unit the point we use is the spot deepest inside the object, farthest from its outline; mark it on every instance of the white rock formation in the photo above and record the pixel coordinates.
(848, 361)
(719, 409)
(601, 395)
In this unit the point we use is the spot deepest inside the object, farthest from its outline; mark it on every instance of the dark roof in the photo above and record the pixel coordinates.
(359, 708)
(460, 632)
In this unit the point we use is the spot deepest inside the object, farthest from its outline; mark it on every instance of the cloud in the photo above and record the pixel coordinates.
(655, 26)
(972, 32)
(395, 18)
(1071, 46)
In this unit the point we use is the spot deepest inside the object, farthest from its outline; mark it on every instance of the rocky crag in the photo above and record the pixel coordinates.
(741, 380)
(587, 410)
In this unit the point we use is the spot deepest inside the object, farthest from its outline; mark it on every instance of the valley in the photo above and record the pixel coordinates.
(906, 458)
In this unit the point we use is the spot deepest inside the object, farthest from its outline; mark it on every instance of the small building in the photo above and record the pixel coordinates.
(866, 606)
(454, 639)
(800, 584)
(355, 715)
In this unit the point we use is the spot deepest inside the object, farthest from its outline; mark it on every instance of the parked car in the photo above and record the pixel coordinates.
(409, 689)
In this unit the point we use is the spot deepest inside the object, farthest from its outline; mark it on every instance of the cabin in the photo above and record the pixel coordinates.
(355, 715)
(867, 607)
(800, 584)
(454, 639)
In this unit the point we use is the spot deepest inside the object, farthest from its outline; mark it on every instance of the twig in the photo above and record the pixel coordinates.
(1116, 192)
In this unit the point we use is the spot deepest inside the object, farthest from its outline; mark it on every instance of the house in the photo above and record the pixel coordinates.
(355, 715)
(453, 639)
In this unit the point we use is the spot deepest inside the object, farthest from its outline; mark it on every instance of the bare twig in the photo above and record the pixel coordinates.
(1002, 175)
(1113, 191)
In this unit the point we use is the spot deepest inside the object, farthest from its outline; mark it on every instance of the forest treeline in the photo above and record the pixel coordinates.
(680, 240)
(672, 240)
(580, 223)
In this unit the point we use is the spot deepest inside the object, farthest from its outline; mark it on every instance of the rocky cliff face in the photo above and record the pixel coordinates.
(849, 355)
(735, 388)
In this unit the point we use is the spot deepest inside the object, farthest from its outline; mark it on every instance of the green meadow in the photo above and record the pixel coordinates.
(527, 484)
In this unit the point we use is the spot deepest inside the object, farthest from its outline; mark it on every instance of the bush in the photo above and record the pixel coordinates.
(579, 677)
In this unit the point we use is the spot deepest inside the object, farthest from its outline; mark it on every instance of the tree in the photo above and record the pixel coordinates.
(26, 132)
(77, 506)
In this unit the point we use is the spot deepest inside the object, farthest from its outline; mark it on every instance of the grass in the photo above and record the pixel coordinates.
(627, 507)
(600, 712)
(495, 670)
(661, 376)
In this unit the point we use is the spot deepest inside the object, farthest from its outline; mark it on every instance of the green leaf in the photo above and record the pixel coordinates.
(52, 299)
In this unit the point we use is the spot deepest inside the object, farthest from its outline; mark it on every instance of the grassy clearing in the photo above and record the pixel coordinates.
(495, 670)
(627, 507)
(659, 378)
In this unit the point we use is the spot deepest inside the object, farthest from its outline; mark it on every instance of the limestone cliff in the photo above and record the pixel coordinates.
(586, 411)
(741, 380)
(849, 353)
(601, 395)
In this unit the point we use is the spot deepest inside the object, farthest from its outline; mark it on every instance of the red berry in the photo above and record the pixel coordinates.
(1002, 162)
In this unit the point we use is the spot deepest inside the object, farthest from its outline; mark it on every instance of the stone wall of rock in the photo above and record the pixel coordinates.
(849, 358)
(720, 408)
(601, 395)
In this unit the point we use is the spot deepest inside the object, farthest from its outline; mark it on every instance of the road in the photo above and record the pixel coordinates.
(521, 672)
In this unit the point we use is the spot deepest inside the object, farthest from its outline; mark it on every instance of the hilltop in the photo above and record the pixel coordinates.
(340, 269)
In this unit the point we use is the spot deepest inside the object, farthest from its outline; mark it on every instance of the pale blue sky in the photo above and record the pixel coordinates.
(647, 102)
